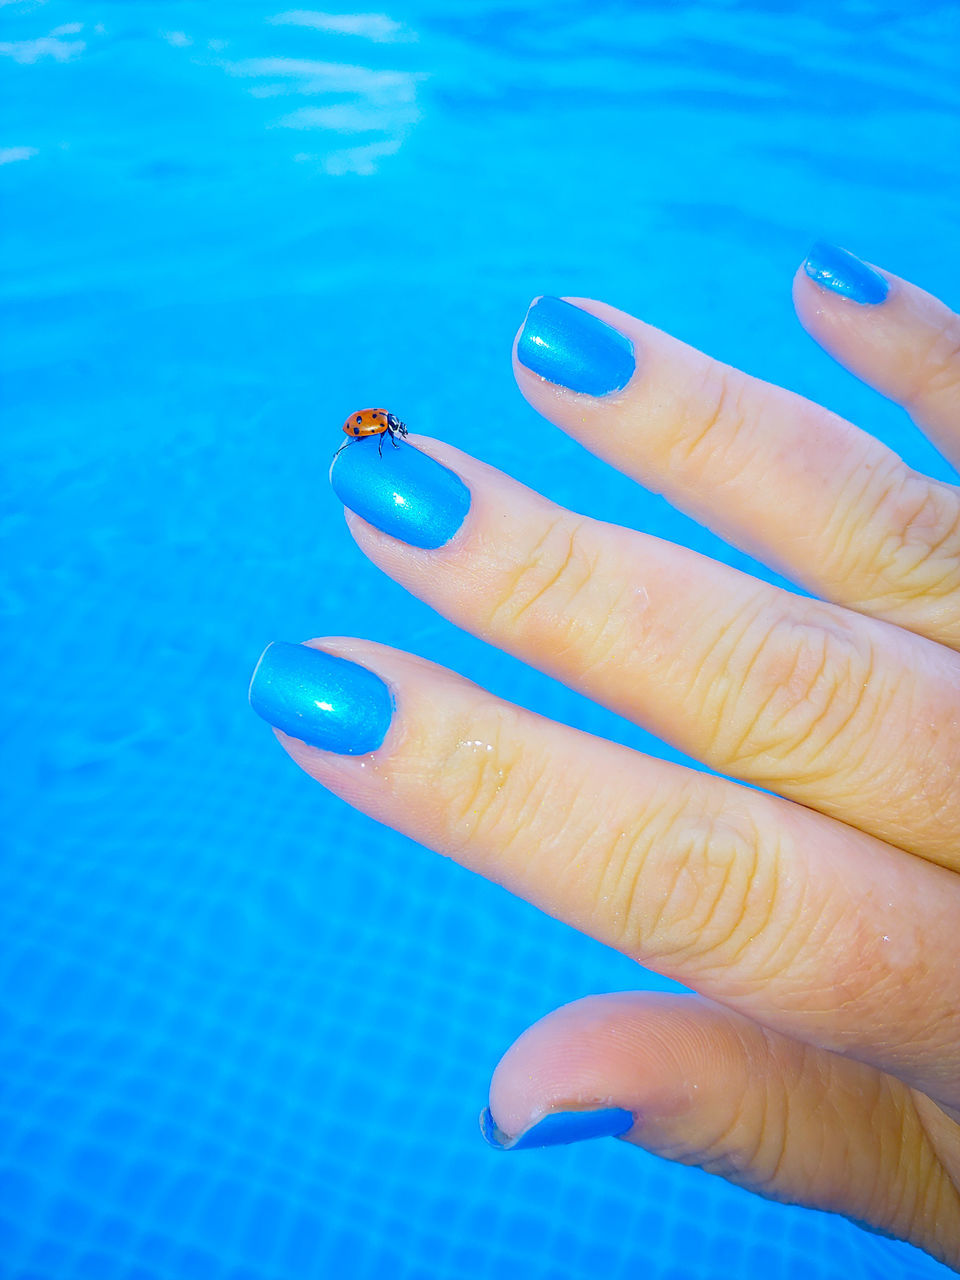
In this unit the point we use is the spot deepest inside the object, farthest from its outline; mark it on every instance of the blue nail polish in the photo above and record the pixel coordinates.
(400, 491)
(323, 700)
(840, 271)
(571, 347)
(560, 1127)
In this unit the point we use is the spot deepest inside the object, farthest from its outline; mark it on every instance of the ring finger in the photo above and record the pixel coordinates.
(788, 916)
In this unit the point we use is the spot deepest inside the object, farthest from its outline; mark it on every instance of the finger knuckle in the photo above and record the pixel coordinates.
(500, 799)
(915, 550)
(542, 593)
(721, 411)
(751, 1140)
(793, 696)
(706, 892)
(479, 776)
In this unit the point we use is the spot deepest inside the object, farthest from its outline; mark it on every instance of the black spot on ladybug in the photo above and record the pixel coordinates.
(359, 417)
(356, 431)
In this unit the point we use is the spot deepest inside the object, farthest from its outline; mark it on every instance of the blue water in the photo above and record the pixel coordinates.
(246, 1031)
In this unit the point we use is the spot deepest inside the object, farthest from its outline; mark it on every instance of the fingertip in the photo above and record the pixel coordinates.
(890, 333)
(559, 1128)
(326, 700)
(838, 272)
(588, 1055)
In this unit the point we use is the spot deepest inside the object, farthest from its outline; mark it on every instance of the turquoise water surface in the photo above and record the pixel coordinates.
(246, 1032)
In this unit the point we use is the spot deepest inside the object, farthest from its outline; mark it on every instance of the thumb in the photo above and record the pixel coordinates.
(695, 1082)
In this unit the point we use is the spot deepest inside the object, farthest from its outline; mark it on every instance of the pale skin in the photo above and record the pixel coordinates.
(818, 919)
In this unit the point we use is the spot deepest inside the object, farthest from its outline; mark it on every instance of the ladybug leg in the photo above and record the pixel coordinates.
(393, 437)
(380, 449)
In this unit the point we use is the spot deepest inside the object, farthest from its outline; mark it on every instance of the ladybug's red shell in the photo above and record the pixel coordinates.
(369, 422)
(373, 422)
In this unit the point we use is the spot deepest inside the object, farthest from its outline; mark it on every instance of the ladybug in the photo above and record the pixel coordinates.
(373, 422)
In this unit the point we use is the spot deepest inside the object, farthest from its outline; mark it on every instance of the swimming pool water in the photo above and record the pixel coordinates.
(246, 1031)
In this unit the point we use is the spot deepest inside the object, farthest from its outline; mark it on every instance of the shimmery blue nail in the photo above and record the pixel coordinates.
(321, 699)
(838, 270)
(571, 347)
(400, 491)
(560, 1127)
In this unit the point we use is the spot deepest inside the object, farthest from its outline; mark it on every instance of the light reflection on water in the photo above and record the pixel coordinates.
(370, 100)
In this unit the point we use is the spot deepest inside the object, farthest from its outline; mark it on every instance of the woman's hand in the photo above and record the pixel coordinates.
(821, 923)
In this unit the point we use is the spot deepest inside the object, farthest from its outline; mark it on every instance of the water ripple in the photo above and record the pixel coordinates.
(29, 51)
(370, 26)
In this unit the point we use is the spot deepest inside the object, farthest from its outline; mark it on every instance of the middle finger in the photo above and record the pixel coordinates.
(779, 690)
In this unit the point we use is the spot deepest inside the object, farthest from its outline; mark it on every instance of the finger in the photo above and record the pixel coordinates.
(706, 1086)
(814, 928)
(906, 344)
(792, 483)
(784, 692)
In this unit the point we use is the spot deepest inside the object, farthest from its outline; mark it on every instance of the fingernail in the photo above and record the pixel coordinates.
(572, 348)
(559, 1127)
(840, 271)
(400, 491)
(323, 700)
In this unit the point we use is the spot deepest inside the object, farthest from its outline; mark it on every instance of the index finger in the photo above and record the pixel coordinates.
(810, 926)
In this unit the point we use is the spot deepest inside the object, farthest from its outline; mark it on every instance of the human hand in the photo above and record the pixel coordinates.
(820, 1063)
